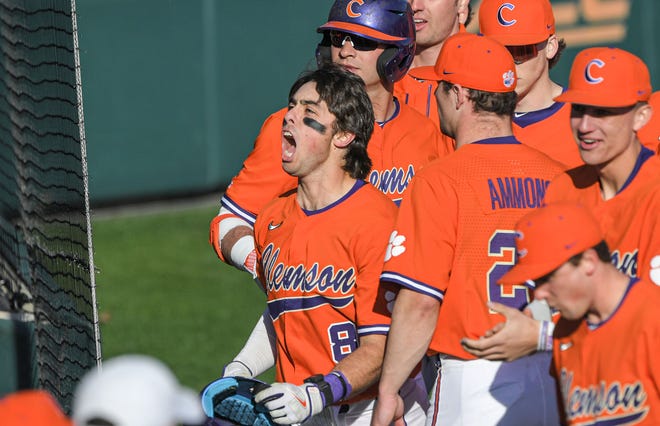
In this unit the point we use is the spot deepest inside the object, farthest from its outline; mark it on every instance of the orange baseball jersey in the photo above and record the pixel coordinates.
(454, 236)
(321, 270)
(420, 95)
(609, 373)
(630, 220)
(549, 131)
(398, 148)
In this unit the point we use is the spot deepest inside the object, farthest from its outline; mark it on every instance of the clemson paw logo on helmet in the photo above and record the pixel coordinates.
(395, 247)
(655, 270)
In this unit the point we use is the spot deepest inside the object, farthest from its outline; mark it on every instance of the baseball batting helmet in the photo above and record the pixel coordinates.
(389, 22)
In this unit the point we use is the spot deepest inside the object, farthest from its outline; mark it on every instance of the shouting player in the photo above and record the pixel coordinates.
(374, 39)
(620, 182)
(608, 337)
(454, 239)
(320, 251)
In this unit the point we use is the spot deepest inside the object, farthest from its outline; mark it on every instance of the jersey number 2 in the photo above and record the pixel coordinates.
(502, 244)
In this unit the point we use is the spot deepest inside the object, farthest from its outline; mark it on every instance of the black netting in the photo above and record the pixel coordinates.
(45, 258)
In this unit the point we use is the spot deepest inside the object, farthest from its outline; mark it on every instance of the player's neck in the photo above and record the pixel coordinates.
(615, 173)
(382, 101)
(611, 286)
(540, 96)
(318, 191)
(426, 56)
(480, 127)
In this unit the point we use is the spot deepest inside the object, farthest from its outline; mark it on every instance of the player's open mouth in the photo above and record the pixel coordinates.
(419, 23)
(288, 145)
(587, 144)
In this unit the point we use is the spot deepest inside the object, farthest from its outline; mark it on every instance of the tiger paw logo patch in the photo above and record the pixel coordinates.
(395, 247)
(655, 269)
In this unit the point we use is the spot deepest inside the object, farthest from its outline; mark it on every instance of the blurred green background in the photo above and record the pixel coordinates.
(175, 91)
(162, 291)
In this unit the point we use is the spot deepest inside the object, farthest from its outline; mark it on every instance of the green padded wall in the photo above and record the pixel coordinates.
(175, 91)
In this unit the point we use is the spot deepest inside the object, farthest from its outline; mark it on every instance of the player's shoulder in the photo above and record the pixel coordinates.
(642, 301)
(553, 165)
(370, 196)
(580, 177)
(275, 119)
(651, 167)
(280, 203)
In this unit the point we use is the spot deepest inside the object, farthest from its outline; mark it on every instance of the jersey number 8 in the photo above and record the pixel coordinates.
(343, 340)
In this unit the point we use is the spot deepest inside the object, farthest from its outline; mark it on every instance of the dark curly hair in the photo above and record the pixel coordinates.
(347, 99)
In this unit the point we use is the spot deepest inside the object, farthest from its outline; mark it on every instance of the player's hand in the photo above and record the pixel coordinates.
(508, 341)
(389, 410)
(290, 404)
(236, 369)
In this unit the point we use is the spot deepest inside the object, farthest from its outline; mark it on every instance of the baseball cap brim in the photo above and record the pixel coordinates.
(359, 30)
(425, 73)
(526, 274)
(574, 96)
(518, 39)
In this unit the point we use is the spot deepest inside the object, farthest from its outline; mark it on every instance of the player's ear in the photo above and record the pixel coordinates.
(643, 114)
(463, 10)
(552, 47)
(589, 261)
(459, 94)
(342, 139)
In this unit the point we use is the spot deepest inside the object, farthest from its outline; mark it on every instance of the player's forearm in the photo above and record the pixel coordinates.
(233, 240)
(258, 353)
(362, 367)
(413, 323)
(229, 243)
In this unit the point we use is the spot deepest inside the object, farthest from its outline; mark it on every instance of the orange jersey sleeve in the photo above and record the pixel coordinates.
(609, 373)
(549, 131)
(262, 178)
(321, 271)
(629, 220)
(455, 234)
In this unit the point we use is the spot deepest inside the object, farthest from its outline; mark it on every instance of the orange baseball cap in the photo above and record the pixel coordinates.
(473, 61)
(649, 135)
(549, 236)
(32, 408)
(607, 77)
(517, 22)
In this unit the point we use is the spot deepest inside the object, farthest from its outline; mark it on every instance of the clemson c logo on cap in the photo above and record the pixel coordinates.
(501, 19)
(349, 8)
(587, 71)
